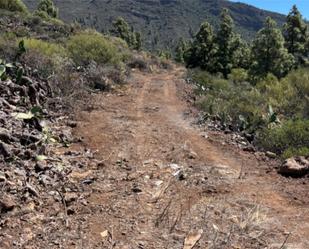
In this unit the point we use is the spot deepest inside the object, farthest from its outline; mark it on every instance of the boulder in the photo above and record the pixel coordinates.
(295, 167)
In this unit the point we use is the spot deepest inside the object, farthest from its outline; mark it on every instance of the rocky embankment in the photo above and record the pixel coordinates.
(37, 190)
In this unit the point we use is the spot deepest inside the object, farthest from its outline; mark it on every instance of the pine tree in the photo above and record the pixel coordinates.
(268, 52)
(201, 54)
(138, 37)
(48, 7)
(225, 41)
(296, 36)
(241, 56)
(180, 51)
(307, 50)
(123, 30)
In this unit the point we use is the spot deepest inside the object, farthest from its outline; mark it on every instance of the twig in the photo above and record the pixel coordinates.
(163, 214)
(161, 191)
(241, 171)
(177, 219)
(286, 239)
(65, 208)
(229, 235)
(112, 238)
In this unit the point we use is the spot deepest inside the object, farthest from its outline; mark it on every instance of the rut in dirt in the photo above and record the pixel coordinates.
(164, 185)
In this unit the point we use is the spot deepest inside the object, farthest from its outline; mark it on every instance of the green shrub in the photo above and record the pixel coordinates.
(292, 137)
(298, 102)
(45, 48)
(13, 5)
(278, 94)
(238, 105)
(208, 82)
(44, 16)
(238, 75)
(122, 47)
(7, 46)
(92, 46)
(291, 152)
(48, 7)
(45, 57)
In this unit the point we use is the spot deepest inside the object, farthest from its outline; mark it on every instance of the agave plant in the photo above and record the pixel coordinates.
(3, 69)
(273, 118)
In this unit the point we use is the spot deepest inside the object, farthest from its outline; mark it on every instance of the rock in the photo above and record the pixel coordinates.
(204, 135)
(72, 124)
(5, 150)
(70, 197)
(7, 203)
(180, 175)
(32, 190)
(192, 155)
(88, 181)
(71, 211)
(192, 238)
(78, 139)
(270, 154)
(249, 137)
(20, 172)
(243, 143)
(66, 136)
(136, 189)
(295, 167)
(6, 137)
(45, 180)
(105, 234)
(2, 177)
(100, 165)
(41, 166)
(147, 162)
(27, 139)
(174, 166)
(249, 148)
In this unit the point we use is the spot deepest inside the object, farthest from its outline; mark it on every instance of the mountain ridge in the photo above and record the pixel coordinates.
(162, 22)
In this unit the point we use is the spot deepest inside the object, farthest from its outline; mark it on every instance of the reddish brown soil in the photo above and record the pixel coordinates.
(139, 201)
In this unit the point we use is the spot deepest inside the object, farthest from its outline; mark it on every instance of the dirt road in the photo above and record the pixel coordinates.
(161, 181)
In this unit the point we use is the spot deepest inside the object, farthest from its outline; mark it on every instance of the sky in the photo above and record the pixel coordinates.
(281, 6)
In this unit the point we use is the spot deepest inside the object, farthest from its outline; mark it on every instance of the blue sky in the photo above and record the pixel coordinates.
(281, 6)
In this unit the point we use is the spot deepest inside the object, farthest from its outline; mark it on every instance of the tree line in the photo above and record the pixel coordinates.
(273, 51)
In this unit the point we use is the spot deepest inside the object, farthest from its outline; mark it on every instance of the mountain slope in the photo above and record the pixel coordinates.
(162, 22)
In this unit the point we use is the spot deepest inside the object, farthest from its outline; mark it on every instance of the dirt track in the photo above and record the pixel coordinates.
(162, 180)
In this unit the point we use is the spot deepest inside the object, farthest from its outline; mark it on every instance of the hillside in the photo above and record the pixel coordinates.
(105, 146)
(162, 22)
